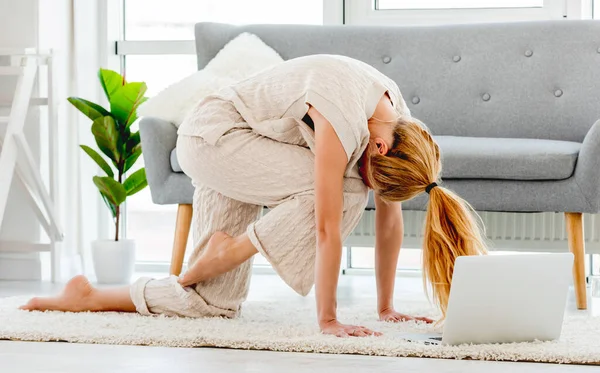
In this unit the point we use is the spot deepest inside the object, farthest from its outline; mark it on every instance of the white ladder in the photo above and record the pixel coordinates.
(17, 158)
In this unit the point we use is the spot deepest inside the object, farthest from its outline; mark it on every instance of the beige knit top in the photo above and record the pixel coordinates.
(273, 102)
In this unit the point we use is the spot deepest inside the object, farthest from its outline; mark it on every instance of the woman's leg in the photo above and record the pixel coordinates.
(246, 167)
(218, 215)
(220, 295)
(79, 296)
(286, 236)
(254, 169)
(223, 253)
(248, 171)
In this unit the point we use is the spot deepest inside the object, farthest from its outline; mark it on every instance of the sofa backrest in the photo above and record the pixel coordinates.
(522, 80)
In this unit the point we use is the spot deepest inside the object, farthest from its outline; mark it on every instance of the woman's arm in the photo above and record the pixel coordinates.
(330, 165)
(389, 230)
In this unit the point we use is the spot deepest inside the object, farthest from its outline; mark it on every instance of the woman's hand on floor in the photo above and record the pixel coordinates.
(338, 329)
(392, 316)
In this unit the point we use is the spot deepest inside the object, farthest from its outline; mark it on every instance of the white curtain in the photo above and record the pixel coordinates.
(71, 28)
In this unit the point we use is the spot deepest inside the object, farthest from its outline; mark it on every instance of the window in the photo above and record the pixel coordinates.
(158, 49)
(457, 4)
(159, 71)
(431, 12)
(154, 31)
(175, 19)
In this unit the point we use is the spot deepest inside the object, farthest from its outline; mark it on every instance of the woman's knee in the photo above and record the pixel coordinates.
(190, 152)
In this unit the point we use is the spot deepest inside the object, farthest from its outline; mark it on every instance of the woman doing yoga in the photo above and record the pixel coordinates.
(307, 138)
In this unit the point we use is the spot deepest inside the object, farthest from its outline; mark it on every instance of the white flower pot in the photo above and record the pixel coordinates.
(113, 260)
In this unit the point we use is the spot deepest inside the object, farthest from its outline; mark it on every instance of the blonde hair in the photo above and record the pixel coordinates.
(451, 229)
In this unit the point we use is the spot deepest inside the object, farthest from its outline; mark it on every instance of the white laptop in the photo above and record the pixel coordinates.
(505, 298)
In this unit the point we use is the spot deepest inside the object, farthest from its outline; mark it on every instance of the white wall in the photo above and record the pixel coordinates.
(19, 29)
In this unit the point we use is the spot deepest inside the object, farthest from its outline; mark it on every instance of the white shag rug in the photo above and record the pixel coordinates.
(278, 327)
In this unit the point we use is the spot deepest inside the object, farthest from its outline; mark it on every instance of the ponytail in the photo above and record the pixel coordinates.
(409, 168)
(450, 231)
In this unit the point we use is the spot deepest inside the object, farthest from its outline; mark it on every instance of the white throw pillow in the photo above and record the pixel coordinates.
(239, 59)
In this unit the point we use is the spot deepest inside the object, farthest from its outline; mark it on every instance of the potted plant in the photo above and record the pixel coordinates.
(114, 259)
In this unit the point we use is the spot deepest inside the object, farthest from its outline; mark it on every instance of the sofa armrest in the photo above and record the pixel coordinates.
(159, 138)
(587, 172)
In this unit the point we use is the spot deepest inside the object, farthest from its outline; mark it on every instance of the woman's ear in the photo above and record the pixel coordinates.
(382, 146)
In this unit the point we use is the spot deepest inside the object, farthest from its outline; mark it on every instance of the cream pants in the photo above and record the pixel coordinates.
(234, 179)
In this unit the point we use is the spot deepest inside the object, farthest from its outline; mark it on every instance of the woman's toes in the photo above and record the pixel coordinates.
(33, 304)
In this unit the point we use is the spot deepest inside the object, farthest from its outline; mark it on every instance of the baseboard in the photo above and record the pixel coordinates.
(20, 267)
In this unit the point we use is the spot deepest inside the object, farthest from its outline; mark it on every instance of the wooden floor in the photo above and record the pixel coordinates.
(70, 358)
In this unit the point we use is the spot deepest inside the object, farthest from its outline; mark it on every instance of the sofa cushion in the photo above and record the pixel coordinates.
(174, 162)
(507, 159)
(504, 159)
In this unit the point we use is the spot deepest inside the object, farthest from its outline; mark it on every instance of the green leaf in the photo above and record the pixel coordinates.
(135, 182)
(125, 101)
(111, 189)
(106, 135)
(130, 161)
(134, 116)
(111, 207)
(133, 142)
(98, 159)
(133, 149)
(89, 109)
(111, 81)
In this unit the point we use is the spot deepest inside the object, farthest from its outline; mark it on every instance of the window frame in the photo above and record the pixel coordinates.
(364, 12)
(333, 13)
(378, 2)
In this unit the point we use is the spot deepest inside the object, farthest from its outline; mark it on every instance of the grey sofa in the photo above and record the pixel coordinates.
(514, 107)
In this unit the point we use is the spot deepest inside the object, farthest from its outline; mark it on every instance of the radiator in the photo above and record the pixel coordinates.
(543, 232)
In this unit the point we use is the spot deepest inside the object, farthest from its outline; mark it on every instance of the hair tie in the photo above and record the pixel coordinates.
(429, 187)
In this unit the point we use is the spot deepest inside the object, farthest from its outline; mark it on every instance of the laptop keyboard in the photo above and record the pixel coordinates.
(436, 338)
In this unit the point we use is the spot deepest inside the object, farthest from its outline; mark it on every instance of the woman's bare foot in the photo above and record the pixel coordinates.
(77, 296)
(222, 254)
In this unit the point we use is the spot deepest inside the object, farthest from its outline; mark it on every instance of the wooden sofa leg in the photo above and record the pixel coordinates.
(574, 222)
(182, 231)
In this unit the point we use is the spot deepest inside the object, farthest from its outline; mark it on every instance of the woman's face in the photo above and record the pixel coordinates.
(376, 145)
